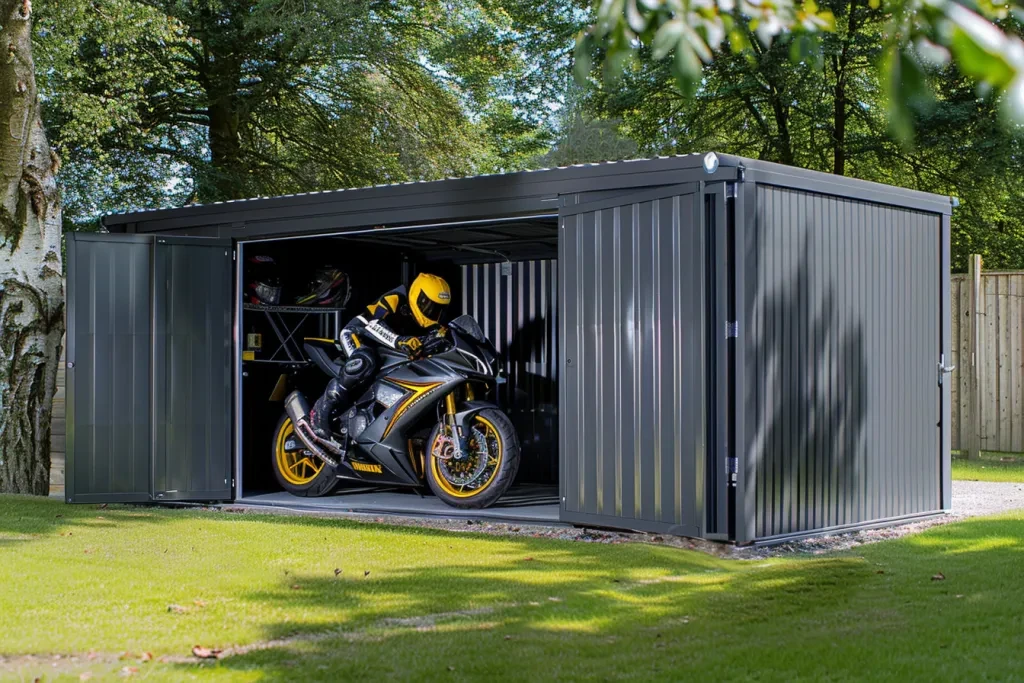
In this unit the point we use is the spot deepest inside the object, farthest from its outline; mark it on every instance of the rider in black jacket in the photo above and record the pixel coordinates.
(396, 320)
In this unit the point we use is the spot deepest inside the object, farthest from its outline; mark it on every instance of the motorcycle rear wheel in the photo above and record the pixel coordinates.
(480, 489)
(299, 472)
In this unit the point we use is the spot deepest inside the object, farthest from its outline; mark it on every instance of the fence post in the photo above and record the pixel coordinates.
(973, 365)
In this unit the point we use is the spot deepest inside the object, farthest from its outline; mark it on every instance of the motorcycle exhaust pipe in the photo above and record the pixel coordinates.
(297, 409)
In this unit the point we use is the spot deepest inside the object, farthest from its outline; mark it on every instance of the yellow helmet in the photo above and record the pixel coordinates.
(428, 298)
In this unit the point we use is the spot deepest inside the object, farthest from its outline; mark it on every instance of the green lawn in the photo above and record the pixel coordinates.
(990, 467)
(452, 606)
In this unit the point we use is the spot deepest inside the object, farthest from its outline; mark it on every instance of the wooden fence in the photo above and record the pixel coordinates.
(58, 434)
(993, 381)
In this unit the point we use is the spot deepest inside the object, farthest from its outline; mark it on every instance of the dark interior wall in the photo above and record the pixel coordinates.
(517, 306)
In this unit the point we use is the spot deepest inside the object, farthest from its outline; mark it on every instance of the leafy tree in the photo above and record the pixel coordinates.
(167, 101)
(918, 34)
(31, 289)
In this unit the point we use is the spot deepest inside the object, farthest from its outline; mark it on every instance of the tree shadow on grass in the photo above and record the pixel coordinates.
(554, 599)
(26, 518)
(599, 611)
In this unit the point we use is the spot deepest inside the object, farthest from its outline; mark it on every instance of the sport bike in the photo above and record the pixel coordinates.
(420, 419)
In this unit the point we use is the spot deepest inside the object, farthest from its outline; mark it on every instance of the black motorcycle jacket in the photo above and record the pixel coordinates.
(387, 322)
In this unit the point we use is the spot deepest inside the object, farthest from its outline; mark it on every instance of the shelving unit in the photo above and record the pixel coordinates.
(287, 323)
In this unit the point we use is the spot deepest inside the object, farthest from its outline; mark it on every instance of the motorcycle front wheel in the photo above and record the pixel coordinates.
(298, 471)
(478, 477)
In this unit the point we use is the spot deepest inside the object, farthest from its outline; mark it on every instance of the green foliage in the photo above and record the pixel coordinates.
(830, 115)
(157, 102)
(916, 34)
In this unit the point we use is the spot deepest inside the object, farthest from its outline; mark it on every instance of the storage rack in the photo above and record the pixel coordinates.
(287, 322)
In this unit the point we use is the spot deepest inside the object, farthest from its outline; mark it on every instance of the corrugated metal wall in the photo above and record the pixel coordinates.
(519, 313)
(842, 398)
(632, 425)
(109, 335)
(192, 457)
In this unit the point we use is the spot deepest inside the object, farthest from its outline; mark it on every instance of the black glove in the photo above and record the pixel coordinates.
(412, 346)
(434, 341)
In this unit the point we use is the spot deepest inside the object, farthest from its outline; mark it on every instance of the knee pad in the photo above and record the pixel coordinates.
(360, 367)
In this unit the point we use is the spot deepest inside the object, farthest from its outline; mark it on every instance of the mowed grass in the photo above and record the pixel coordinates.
(416, 604)
(989, 467)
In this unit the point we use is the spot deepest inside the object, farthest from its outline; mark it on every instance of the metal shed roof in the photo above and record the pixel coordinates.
(488, 196)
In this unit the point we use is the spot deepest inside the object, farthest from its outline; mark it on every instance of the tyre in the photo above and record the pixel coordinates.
(477, 479)
(298, 471)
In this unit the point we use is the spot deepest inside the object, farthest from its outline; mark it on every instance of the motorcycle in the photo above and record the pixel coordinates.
(420, 419)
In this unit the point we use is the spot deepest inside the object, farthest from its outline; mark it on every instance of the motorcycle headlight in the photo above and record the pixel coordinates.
(387, 395)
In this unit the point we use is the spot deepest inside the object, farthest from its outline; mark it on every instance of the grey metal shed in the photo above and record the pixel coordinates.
(720, 347)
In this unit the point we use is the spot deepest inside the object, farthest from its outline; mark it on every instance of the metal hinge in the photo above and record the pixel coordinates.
(732, 329)
(730, 190)
(732, 463)
(943, 368)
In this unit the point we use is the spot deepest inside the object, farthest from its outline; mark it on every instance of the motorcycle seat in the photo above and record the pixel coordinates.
(325, 354)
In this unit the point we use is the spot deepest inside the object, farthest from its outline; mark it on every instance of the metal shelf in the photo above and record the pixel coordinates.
(287, 327)
(291, 309)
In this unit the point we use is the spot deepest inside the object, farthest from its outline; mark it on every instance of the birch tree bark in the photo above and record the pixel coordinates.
(31, 284)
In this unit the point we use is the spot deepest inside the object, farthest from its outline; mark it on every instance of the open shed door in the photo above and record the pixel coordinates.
(632, 405)
(149, 330)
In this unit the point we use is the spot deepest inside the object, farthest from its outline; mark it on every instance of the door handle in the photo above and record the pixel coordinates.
(944, 369)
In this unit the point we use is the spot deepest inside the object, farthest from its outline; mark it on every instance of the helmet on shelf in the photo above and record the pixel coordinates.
(264, 285)
(329, 286)
(429, 297)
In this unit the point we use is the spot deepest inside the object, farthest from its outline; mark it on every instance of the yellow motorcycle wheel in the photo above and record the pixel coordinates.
(299, 471)
(478, 479)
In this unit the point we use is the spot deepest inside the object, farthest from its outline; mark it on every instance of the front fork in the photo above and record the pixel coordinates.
(451, 408)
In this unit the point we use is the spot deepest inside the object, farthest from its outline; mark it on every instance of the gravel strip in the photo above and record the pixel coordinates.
(970, 499)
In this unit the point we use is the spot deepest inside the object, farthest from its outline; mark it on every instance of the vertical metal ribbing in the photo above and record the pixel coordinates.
(518, 313)
(845, 344)
(637, 387)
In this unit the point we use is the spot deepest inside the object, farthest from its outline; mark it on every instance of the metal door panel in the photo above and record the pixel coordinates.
(148, 368)
(632, 410)
(192, 359)
(108, 368)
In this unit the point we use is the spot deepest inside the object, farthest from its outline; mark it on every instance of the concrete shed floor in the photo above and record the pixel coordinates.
(527, 504)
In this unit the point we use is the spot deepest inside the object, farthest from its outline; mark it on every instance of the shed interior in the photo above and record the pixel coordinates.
(502, 272)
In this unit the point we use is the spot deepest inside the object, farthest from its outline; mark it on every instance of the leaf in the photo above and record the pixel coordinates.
(939, 577)
(205, 652)
(686, 67)
(667, 38)
(979, 61)
(337, 571)
(904, 84)
(177, 609)
(129, 671)
(583, 62)
(146, 657)
(199, 603)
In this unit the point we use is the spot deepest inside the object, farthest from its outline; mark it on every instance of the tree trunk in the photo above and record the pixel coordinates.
(225, 150)
(31, 284)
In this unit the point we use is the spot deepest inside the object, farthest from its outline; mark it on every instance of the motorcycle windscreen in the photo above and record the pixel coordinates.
(148, 368)
(632, 404)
